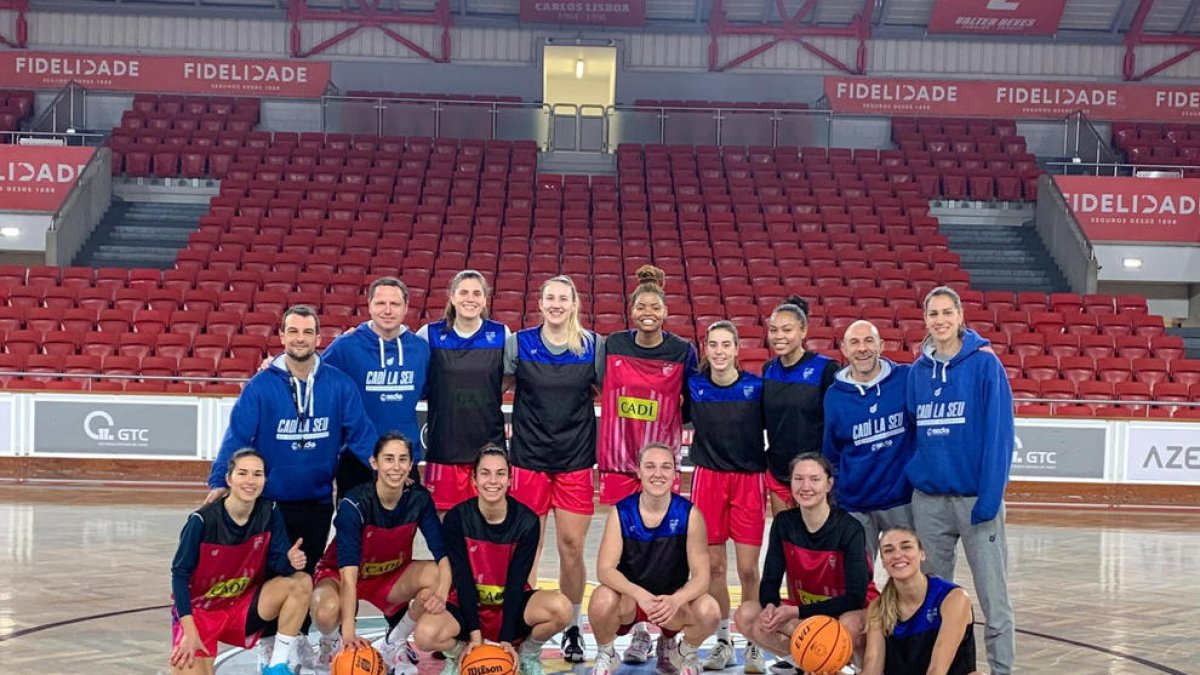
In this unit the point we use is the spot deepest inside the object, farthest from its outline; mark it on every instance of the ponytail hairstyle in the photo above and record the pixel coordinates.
(948, 292)
(577, 337)
(650, 280)
(885, 611)
(797, 306)
(726, 325)
(452, 314)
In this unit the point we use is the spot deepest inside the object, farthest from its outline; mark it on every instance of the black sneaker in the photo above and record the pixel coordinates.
(782, 667)
(572, 645)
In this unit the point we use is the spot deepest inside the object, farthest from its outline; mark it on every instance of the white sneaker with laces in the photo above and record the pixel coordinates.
(326, 650)
(304, 655)
(396, 656)
(606, 663)
(754, 662)
(639, 647)
(721, 657)
(689, 664)
(669, 659)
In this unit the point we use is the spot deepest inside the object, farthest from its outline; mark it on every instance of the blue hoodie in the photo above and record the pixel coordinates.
(964, 420)
(299, 427)
(390, 375)
(869, 439)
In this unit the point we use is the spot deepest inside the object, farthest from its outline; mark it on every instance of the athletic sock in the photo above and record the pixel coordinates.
(531, 647)
(332, 635)
(283, 648)
(607, 649)
(402, 630)
(456, 650)
(723, 630)
(687, 649)
(578, 618)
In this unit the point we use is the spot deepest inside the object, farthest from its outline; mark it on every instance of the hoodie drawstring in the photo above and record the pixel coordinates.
(399, 354)
(945, 365)
(304, 398)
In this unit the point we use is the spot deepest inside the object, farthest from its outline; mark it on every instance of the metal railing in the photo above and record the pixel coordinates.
(1115, 168)
(51, 138)
(436, 118)
(1084, 144)
(68, 110)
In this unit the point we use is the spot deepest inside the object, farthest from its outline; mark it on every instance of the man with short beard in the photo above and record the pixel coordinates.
(298, 414)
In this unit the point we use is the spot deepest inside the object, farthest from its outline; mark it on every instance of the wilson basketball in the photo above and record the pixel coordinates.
(487, 660)
(358, 661)
(820, 644)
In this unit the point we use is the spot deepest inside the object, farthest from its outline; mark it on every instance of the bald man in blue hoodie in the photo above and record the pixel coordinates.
(868, 436)
(960, 398)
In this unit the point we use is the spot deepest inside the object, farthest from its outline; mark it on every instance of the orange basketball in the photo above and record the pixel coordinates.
(487, 660)
(358, 661)
(820, 644)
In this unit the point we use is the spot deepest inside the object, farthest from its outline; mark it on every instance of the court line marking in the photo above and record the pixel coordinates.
(1024, 631)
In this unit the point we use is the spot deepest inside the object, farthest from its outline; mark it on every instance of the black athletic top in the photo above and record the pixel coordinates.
(827, 570)
(655, 558)
(554, 418)
(491, 563)
(794, 404)
(910, 646)
(728, 421)
(464, 388)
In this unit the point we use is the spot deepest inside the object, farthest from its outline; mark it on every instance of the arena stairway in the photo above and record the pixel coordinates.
(1004, 258)
(140, 234)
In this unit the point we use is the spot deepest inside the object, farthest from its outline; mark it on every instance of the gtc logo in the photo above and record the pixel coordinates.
(100, 427)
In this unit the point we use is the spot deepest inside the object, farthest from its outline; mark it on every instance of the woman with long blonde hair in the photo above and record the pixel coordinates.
(555, 369)
(919, 623)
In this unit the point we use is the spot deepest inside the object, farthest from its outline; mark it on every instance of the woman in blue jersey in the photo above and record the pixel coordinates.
(727, 484)
(464, 388)
(919, 623)
(794, 386)
(555, 369)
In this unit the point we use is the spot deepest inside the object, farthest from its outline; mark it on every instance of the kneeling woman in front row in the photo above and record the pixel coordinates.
(823, 552)
(654, 566)
(919, 624)
(225, 550)
(491, 541)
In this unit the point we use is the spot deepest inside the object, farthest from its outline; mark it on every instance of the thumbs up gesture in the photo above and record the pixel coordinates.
(296, 557)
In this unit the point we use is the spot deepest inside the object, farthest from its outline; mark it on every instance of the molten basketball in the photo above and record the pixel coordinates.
(358, 661)
(820, 644)
(487, 660)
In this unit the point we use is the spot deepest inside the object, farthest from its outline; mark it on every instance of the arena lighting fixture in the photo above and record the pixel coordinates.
(10, 231)
(579, 69)
(1131, 263)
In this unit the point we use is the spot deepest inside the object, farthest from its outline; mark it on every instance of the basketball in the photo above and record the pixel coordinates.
(487, 660)
(358, 661)
(821, 644)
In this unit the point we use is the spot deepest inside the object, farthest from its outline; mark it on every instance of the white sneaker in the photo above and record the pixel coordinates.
(326, 650)
(304, 655)
(639, 647)
(754, 662)
(689, 664)
(721, 657)
(606, 663)
(669, 659)
(263, 651)
(396, 656)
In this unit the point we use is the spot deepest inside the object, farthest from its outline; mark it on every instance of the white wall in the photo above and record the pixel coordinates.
(33, 228)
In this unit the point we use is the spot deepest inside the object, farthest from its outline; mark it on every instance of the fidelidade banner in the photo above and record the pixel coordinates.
(996, 17)
(593, 12)
(39, 178)
(165, 74)
(1134, 209)
(1012, 99)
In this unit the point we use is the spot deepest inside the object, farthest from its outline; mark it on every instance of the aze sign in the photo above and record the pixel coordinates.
(39, 178)
(1119, 208)
(996, 17)
(1163, 454)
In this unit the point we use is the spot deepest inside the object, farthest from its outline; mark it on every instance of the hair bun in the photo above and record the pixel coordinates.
(649, 274)
(799, 302)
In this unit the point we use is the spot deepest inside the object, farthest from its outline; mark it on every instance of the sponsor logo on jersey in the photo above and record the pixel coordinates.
(228, 588)
(807, 598)
(490, 594)
(644, 409)
(374, 569)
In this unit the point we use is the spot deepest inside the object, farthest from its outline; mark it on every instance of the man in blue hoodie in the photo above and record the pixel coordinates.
(868, 437)
(298, 414)
(388, 363)
(962, 403)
